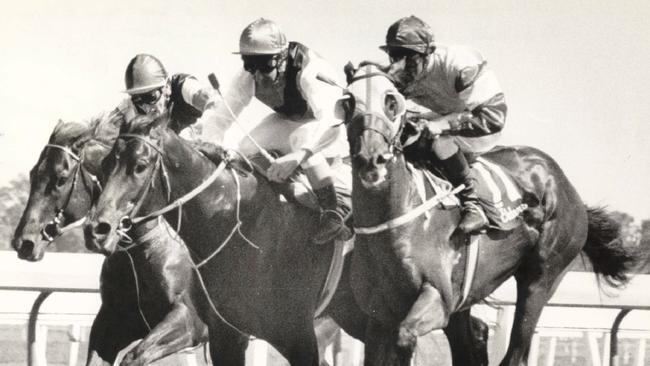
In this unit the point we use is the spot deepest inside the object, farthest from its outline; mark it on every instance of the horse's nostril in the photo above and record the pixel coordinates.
(26, 248)
(103, 228)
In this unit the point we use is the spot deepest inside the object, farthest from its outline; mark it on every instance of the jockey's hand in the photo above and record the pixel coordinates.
(435, 128)
(283, 167)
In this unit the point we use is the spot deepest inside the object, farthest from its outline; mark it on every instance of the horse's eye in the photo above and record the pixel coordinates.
(139, 168)
(60, 181)
(391, 106)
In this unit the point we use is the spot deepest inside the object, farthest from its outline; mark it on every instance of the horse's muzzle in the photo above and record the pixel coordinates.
(98, 238)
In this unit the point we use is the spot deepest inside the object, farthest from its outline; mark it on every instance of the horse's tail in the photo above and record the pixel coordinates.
(605, 248)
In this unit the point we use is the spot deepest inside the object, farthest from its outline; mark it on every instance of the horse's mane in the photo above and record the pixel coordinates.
(143, 124)
(350, 70)
(66, 132)
(103, 128)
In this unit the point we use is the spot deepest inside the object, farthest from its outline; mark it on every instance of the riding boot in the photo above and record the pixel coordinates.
(334, 212)
(457, 170)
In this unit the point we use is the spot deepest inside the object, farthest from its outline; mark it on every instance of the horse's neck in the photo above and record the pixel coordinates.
(231, 197)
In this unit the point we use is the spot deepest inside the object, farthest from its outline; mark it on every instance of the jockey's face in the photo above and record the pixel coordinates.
(263, 67)
(149, 102)
(405, 66)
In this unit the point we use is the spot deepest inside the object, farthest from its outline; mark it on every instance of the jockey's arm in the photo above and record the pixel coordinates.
(486, 109)
(196, 94)
(217, 116)
(321, 98)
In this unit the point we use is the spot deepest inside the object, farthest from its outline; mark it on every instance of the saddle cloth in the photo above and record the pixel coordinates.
(498, 194)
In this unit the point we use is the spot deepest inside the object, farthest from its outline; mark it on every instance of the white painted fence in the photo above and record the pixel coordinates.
(79, 273)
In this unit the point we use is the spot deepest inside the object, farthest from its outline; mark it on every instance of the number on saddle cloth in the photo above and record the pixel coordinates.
(498, 194)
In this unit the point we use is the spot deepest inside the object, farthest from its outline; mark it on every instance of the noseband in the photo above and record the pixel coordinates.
(394, 143)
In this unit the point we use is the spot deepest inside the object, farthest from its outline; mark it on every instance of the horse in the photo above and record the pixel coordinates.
(409, 264)
(261, 275)
(63, 187)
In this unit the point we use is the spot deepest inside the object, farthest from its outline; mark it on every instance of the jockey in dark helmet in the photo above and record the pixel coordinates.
(151, 90)
(303, 128)
(463, 95)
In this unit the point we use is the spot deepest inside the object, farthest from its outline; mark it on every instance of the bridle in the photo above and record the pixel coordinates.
(379, 123)
(53, 229)
(128, 221)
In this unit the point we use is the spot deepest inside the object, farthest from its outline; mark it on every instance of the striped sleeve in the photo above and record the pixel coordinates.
(477, 86)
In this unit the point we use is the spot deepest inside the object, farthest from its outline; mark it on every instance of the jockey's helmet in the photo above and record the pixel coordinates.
(410, 33)
(262, 37)
(144, 73)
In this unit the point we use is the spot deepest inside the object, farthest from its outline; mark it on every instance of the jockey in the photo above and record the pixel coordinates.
(151, 90)
(463, 95)
(282, 75)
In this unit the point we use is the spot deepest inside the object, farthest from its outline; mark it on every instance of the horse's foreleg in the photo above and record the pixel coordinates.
(97, 341)
(382, 349)
(427, 313)
(467, 338)
(227, 346)
(108, 335)
(179, 329)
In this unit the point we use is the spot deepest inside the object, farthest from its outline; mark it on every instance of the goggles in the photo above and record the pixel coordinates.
(398, 53)
(147, 98)
(262, 63)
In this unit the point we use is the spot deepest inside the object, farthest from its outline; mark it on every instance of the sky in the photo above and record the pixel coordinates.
(575, 73)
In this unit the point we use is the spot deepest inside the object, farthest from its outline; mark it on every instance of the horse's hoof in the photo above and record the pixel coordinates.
(406, 338)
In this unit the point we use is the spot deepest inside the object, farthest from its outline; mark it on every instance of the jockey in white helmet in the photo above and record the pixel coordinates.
(151, 90)
(282, 75)
(456, 84)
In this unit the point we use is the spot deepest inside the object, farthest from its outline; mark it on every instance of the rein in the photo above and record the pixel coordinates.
(126, 222)
(409, 216)
(395, 145)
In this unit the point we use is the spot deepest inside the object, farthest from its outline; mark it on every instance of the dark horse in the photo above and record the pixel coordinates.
(63, 186)
(408, 274)
(261, 275)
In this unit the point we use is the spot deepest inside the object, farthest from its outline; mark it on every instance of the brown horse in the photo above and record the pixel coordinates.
(408, 262)
(260, 274)
(63, 186)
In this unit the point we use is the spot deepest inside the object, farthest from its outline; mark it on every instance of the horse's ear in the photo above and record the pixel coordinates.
(342, 107)
(349, 71)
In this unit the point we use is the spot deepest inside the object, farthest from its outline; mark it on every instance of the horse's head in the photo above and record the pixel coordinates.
(61, 190)
(373, 111)
(135, 181)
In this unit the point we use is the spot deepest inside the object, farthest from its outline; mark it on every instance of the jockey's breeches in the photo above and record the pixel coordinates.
(277, 132)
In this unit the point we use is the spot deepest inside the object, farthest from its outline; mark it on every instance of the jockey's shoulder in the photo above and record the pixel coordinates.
(458, 57)
(314, 66)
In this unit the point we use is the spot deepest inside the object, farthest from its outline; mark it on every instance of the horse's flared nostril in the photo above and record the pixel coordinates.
(102, 228)
(25, 249)
(371, 176)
